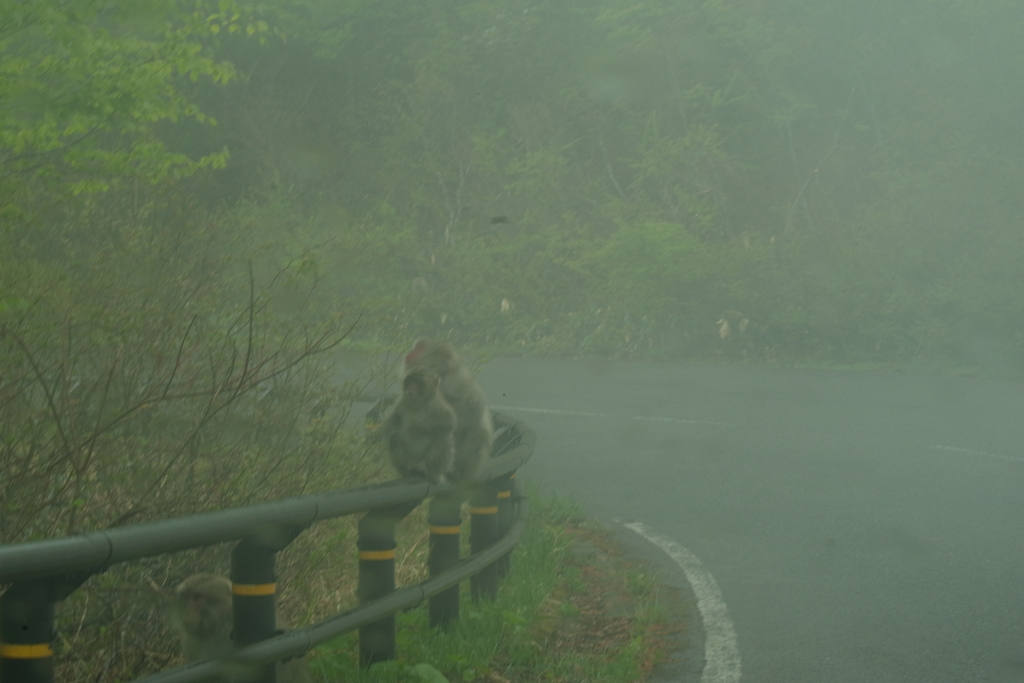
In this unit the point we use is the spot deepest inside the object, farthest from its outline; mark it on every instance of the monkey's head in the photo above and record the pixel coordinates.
(419, 385)
(202, 604)
(433, 355)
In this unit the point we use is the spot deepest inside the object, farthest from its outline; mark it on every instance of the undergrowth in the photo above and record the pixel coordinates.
(551, 620)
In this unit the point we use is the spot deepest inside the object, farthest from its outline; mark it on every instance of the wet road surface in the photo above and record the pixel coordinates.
(861, 528)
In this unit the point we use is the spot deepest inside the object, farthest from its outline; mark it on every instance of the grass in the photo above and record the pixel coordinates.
(550, 622)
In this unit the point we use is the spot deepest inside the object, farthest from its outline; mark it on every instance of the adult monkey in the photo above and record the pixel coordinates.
(419, 429)
(202, 617)
(474, 432)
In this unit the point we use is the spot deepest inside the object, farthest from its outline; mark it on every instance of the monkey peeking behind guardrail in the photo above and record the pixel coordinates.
(202, 617)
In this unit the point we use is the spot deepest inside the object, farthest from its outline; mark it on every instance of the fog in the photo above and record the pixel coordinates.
(752, 271)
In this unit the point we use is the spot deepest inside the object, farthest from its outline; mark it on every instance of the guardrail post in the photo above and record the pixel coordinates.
(505, 515)
(483, 532)
(445, 519)
(377, 578)
(253, 598)
(26, 632)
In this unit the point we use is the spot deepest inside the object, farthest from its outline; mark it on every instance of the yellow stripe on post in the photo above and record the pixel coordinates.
(376, 554)
(445, 529)
(504, 494)
(12, 651)
(484, 511)
(253, 589)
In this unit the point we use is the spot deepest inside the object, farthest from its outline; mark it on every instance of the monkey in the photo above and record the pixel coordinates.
(474, 432)
(202, 617)
(420, 428)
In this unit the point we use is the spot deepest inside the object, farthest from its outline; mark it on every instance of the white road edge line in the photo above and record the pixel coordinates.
(939, 447)
(721, 648)
(581, 413)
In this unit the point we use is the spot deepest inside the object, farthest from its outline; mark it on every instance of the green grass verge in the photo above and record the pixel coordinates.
(520, 636)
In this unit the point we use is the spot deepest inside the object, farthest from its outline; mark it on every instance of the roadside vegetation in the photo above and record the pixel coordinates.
(570, 609)
(784, 183)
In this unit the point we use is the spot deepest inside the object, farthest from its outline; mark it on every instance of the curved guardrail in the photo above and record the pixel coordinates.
(42, 573)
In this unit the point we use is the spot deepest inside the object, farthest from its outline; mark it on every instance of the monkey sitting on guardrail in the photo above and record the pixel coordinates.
(419, 428)
(474, 432)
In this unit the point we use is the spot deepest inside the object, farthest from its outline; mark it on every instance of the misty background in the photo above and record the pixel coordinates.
(760, 181)
(204, 204)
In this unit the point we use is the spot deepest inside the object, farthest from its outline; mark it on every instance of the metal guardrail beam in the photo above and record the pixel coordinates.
(94, 551)
(43, 573)
(298, 642)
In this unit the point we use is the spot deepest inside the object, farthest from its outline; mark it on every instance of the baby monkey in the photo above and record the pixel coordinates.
(202, 617)
(420, 428)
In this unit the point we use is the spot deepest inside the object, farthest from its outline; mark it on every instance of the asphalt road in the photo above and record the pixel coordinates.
(860, 528)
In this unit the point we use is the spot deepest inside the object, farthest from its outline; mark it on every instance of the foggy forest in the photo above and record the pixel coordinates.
(206, 206)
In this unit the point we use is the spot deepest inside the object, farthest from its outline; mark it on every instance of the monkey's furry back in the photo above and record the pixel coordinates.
(474, 431)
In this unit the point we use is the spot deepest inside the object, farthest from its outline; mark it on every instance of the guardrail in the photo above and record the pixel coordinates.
(43, 573)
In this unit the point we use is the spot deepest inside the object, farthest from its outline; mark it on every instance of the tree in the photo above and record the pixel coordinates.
(84, 85)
